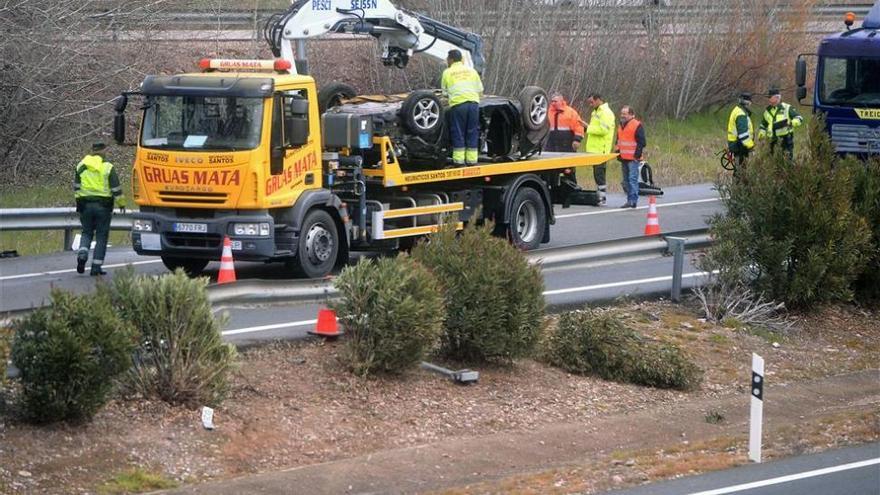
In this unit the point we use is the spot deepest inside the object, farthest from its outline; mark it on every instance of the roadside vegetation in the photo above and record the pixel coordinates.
(392, 311)
(796, 233)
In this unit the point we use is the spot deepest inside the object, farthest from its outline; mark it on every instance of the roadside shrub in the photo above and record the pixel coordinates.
(181, 357)
(494, 298)
(69, 355)
(593, 342)
(790, 229)
(392, 310)
(5, 350)
(866, 203)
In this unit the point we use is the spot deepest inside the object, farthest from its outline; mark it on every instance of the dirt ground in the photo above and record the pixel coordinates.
(293, 404)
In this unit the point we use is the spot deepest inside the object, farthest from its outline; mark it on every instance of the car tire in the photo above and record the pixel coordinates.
(331, 95)
(422, 113)
(534, 106)
(527, 219)
(318, 246)
(192, 267)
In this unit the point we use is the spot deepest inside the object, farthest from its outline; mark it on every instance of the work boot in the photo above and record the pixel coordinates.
(627, 205)
(80, 265)
(97, 270)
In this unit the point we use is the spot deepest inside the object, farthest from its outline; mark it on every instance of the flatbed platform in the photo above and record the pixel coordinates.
(392, 175)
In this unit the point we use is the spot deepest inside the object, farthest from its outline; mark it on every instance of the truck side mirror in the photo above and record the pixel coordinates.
(297, 131)
(120, 103)
(800, 72)
(119, 128)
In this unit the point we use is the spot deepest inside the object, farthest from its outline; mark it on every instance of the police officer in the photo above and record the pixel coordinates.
(740, 130)
(600, 137)
(96, 185)
(463, 86)
(779, 122)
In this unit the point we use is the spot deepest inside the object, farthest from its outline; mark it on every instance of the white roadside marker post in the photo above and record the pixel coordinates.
(757, 414)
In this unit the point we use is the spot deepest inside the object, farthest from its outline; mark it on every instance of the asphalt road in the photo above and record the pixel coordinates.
(850, 471)
(26, 282)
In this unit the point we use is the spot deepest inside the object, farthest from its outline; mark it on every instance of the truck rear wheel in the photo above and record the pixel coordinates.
(318, 246)
(527, 220)
(192, 267)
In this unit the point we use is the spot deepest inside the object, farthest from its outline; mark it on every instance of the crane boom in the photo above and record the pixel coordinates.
(400, 33)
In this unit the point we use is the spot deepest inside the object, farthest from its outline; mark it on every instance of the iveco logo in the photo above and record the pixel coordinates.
(192, 160)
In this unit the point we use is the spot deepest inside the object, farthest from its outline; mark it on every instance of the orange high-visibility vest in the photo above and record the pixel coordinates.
(626, 139)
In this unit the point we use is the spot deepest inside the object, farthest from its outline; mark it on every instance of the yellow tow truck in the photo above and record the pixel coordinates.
(242, 150)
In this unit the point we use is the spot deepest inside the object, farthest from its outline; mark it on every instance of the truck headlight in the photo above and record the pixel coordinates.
(251, 229)
(140, 225)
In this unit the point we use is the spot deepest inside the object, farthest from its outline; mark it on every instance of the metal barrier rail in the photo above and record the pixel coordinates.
(66, 219)
(266, 291)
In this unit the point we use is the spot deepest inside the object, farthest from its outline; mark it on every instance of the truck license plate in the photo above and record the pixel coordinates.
(196, 228)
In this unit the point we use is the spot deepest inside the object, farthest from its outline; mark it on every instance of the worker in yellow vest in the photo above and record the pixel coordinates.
(95, 186)
(463, 86)
(600, 137)
(740, 130)
(779, 122)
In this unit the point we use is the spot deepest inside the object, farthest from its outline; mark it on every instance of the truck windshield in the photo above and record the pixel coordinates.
(202, 123)
(852, 82)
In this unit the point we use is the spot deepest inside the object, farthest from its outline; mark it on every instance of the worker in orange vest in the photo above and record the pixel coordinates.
(630, 145)
(566, 130)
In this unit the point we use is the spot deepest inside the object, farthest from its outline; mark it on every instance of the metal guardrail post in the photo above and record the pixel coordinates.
(67, 240)
(676, 247)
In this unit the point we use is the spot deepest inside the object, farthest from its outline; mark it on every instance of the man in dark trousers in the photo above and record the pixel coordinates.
(630, 144)
(740, 130)
(463, 86)
(779, 122)
(96, 186)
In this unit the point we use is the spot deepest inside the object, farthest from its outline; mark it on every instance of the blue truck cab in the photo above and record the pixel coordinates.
(847, 85)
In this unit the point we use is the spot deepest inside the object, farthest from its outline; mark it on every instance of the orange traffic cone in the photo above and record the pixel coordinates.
(327, 325)
(653, 225)
(227, 269)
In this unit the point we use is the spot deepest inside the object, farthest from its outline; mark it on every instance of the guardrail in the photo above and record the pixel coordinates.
(267, 291)
(66, 219)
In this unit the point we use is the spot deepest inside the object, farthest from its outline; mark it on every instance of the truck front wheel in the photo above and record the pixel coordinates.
(318, 246)
(192, 267)
(527, 220)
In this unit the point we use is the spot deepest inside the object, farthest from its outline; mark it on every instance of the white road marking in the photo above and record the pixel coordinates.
(622, 284)
(292, 324)
(73, 270)
(275, 326)
(791, 477)
(624, 210)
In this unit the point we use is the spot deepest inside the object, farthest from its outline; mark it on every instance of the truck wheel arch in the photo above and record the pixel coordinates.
(325, 200)
(526, 180)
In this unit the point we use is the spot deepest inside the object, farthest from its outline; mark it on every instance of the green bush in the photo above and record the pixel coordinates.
(5, 349)
(392, 311)
(69, 355)
(181, 357)
(866, 203)
(790, 229)
(595, 342)
(494, 298)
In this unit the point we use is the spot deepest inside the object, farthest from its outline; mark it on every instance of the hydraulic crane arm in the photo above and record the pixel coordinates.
(400, 33)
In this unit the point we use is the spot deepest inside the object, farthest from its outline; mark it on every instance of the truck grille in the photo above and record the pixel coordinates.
(849, 138)
(178, 239)
(206, 198)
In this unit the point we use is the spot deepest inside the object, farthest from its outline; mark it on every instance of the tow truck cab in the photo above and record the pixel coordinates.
(217, 155)
(847, 85)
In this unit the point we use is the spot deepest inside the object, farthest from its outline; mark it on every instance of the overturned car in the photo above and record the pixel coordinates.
(510, 128)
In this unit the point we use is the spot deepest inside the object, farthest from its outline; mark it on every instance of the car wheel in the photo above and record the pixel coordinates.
(422, 113)
(534, 106)
(318, 246)
(333, 93)
(527, 219)
(192, 267)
